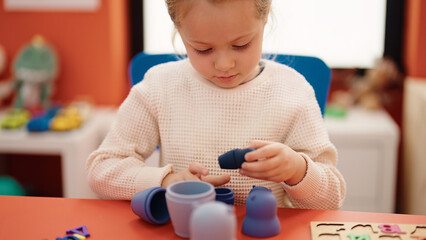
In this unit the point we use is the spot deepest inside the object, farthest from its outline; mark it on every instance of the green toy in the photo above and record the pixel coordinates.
(35, 69)
(15, 118)
(10, 187)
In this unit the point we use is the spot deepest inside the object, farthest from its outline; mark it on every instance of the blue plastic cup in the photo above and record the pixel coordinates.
(225, 195)
(150, 205)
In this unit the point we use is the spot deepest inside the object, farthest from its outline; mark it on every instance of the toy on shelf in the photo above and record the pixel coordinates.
(10, 187)
(42, 123)
(368, 91)
(338, 105)
(71, 117)
(66, 119)
(261, 213)
(15, 118)
(233, 159)
(61, 119)
(34, 70)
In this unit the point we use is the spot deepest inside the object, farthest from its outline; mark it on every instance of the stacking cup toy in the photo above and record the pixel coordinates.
(213, 220)
(233, 159)
(225, 195)
(150, 205)
(182, 198)
(261, 213)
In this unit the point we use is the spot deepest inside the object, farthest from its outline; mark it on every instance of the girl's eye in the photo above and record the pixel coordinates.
(241, 47)
(205, 51)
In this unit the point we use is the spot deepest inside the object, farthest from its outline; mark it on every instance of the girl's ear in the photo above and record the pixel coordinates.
(265, 21)
(267, 16)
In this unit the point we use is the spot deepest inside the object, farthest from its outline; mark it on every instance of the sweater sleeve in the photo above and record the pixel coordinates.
(323, 187)
(117, 170)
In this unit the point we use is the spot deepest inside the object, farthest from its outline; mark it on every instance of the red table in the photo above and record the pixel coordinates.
(47, 218)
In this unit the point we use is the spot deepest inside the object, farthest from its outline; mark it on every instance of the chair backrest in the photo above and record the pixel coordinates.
(316, 72)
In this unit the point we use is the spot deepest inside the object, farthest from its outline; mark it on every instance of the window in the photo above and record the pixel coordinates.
(345, 34)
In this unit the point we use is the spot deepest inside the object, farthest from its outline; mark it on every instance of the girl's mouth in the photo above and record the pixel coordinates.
(227, 78)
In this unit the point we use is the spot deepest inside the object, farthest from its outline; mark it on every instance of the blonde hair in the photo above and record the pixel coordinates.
(173, 7)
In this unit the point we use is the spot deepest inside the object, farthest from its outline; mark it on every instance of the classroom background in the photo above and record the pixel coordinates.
(95, 41)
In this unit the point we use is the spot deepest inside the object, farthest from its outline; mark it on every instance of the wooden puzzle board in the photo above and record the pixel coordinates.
(367, 231)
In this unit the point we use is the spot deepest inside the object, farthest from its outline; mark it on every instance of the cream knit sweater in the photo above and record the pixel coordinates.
(195, 121)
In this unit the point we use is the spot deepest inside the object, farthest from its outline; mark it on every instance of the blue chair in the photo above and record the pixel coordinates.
(316, 72)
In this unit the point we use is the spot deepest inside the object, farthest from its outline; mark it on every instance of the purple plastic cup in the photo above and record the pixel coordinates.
(182, 198)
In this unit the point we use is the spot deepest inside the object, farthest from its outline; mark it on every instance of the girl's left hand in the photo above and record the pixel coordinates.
(274, 161)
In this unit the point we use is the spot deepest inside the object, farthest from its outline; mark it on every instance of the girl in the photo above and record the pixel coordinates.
(221, 98)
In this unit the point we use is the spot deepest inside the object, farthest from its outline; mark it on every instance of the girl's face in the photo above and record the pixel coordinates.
(223, 40)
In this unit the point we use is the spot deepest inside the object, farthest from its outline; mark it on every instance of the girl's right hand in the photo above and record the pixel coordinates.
(195, 172)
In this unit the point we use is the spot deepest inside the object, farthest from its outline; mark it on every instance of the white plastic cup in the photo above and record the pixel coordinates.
(182, 198)
(213, 220)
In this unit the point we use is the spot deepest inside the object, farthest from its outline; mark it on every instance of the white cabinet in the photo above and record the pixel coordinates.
(73, 146)
(367, 145)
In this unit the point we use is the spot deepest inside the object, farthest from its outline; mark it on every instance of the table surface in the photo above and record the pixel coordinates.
(48, 218)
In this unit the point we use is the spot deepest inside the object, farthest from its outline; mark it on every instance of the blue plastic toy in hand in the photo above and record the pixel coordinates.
(261, 214)
(233, 159)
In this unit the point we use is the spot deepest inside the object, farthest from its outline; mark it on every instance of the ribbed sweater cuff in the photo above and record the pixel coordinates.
(151, 177)
(309, 185)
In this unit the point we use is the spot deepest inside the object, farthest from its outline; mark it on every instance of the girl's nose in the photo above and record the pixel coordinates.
(224, 62)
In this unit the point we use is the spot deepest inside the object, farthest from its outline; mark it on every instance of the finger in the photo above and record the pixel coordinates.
(260, 166)
(258, 175)
(186, 175)
(217, 180)
(179, 177)
(254, 144)
(190, 176)
(198, 169)
(266, 150)
(272, 175)
(257, 144)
